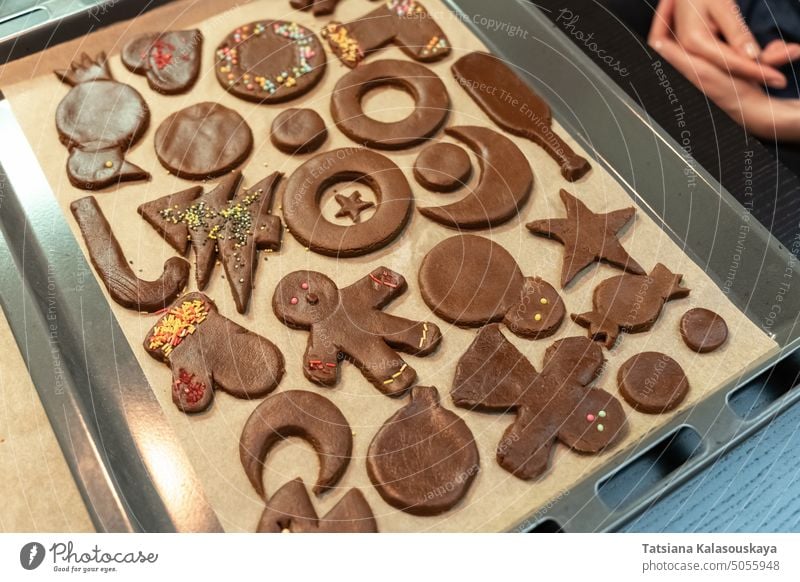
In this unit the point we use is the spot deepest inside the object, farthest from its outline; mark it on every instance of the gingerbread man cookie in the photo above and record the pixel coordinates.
(555, 404)
(206, 350)
(348, 323)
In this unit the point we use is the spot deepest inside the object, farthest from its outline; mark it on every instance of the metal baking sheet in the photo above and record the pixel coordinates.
(37, 240)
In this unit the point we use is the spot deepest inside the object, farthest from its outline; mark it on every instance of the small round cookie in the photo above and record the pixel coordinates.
(298, 131)
(652, 382)
(304, 190)
(429, 93)
(703, 331)
(203, 141)
(442, 167)
(270, 61)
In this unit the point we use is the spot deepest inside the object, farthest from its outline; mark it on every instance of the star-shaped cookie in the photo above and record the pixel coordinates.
(587, 237)
(352, 206)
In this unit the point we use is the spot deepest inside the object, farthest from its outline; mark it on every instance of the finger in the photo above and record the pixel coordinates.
(727, 59)
(734, 29)
(778, 53)
(661, 28)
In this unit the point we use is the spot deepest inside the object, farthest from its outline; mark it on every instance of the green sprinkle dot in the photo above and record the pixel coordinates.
(602, 414)
(600, 428)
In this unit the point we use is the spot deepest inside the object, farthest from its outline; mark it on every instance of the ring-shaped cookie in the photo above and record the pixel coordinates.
(432, 104)
(304, 190)
(270, 61)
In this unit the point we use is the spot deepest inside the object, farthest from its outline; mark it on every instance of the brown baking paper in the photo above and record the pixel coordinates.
(497, 501)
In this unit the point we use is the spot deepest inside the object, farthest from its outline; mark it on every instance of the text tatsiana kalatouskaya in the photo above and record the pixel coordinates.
(709, 549)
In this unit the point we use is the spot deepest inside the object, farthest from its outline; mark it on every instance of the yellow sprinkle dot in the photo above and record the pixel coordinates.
(538, 317)
(109, 164)
(543, 301)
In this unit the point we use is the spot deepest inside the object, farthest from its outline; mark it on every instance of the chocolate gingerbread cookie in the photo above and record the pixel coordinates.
(556, 404)
(630, 303)
(652, 382)
(116, 274)
(318, 7)
(203, 141)
(442, 167)
(290, 510)
(99, 120)
(298, 131)
(297, 413)
(432, 104)
(304, 190)
(423, 460)
(270, 61)
(405, 23)
(229, 222)
(587, 237)
(503, 188)
(471, 281)
(513, 106)
(206, 351)
(170, 60)
(703, 330)
(349, 323)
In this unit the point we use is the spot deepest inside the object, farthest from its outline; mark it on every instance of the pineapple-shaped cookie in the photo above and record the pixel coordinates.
(98, 120)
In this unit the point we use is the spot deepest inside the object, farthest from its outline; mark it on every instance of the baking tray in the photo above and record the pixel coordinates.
(133, 481)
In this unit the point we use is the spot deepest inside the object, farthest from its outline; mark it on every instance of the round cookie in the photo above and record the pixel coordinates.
(471, 281)
(298, 131)
(429, 93)
(270, 61)
(703, 331)
(423, 459)
(652, 382)
(442, 167)
(304, 189)
(204, 140)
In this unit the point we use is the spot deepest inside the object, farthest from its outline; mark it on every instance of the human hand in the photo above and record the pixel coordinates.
(745, 101)
(716, 31)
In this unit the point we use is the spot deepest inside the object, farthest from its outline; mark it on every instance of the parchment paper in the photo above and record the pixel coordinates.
(497, 500)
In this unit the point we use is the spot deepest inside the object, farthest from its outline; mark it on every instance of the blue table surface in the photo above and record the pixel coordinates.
(753, 488)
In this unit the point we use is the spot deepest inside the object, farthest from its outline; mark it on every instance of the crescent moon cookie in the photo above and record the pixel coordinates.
(405, 23)
(652, 382)
(556, 404)
(291, 510)
(109, 261)
(206, 351)
(99, 120)
(424, 459)
(170, 60)
(229, 222)
(297, 413)
(349, 324)
(587, 237)
(270, 61)
(503, 188)
(631, 303)
(703, 331)
(203, 141)
(298, 131)
(432, 104)
(442, 167)
(471, 281)
(304, 190)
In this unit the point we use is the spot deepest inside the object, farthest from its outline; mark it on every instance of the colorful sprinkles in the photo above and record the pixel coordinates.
(590, 418)
(229, 63)
(178, 323)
